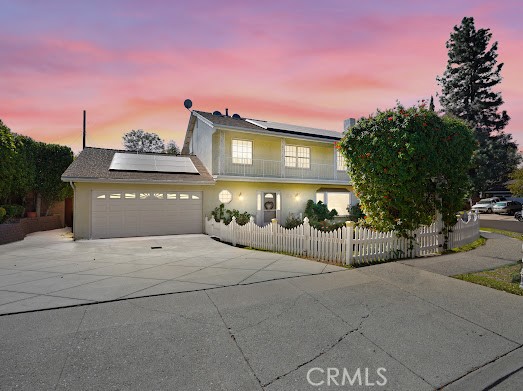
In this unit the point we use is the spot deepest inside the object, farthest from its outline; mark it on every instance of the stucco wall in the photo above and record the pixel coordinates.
(293, 197)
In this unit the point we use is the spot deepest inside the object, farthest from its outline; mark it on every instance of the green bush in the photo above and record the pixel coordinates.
(355, 213)
(318, 211)
(13, 210)
(2, 214)
(327, 226)
(220, 213)
(292, 221)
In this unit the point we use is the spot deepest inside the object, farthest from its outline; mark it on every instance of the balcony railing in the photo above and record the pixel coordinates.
(276, 169)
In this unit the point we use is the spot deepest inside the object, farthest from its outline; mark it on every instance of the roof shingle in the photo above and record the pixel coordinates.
(93, 164)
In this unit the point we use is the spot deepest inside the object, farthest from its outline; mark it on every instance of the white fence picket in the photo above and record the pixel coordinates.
(350, 244)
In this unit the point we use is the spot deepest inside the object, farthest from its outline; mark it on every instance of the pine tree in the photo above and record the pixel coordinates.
(431, 105)
(467, 92)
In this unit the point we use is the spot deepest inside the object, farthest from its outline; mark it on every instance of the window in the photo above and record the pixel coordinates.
(341, 163)
(158, 196)
(299, 157)
(241, 152)
(130, 195)
(115, 196)
(184, 196)
(225, 196)
(101, 196)
(339, 200)
(195, 197)
(171, 196)
(144, 196)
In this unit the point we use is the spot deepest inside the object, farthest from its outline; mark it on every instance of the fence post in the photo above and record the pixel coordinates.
(274, 225)
(348, 242)
(251, 223)
(233, 230)
(306, 236)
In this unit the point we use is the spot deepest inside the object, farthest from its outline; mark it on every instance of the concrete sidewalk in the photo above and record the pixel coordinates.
(426, 330)
(499, 251)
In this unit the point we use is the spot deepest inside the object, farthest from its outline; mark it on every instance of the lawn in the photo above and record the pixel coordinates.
(503, 278)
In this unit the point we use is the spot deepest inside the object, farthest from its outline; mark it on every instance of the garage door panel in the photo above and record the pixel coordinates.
(138, 213)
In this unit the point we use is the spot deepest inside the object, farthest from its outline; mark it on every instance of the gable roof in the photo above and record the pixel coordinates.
(92, 165)
(272, 126)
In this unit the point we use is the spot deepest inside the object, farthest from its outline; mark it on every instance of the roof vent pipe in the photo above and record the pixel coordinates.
(226, 112)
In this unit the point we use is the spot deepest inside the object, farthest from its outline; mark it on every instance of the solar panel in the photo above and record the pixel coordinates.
(152, 163)
(294, 128)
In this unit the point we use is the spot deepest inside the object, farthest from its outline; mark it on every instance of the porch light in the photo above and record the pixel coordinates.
(240, 196)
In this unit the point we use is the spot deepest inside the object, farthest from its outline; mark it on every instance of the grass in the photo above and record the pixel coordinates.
(481, 241)
(515, 235)
(503, 278)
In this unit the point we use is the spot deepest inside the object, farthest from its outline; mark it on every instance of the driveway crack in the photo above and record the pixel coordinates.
(233, 337)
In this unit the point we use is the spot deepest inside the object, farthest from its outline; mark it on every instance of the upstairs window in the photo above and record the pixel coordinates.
(341, 163)
(298, 157)
(242, 152)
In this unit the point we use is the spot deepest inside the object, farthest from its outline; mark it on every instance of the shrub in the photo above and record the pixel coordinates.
(318, 211)
(292, 221)
(326, 225)
(2, 214)
(220, 213)
(13, 211)
(355, 213)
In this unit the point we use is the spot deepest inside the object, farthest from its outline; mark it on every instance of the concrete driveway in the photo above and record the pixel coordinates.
(49, 270)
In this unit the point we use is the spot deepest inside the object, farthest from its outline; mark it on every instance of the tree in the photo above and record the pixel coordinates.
(408, 164)
(431, 104)
(51, 160)
(7, 160)
(468, 93)
(140, 141)
(171, 148)
(516, 185)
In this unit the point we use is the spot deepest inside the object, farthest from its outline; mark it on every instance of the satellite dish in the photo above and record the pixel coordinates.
(187, 103)
(216, 113)
(237, 116)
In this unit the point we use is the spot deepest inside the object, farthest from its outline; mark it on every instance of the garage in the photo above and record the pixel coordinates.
(145, 213)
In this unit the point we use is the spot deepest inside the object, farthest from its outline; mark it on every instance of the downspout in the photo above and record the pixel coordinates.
(74, 206)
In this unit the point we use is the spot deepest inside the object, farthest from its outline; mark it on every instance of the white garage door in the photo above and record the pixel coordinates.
(117, 214)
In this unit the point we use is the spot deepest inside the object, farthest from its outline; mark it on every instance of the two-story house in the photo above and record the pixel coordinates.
(266, 168)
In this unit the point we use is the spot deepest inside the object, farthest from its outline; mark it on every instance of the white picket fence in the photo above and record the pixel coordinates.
(347, 245)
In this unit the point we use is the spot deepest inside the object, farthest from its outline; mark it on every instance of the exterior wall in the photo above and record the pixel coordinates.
(269, 147)
(83, 195)
(202, 143)
(289, 202)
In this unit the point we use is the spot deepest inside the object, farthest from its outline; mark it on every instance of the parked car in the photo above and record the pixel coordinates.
(508, 207)
(485, 205)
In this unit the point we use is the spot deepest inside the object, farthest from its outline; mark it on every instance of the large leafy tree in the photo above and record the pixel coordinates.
(171, 148)
(7, 160)
(468, 93)
(140, 141)
(408, 164)
(516, 185)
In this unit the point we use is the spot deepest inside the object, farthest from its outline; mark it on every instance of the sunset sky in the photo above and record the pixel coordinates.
(131, 64)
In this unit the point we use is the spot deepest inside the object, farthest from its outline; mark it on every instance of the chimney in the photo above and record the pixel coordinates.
(348, 123)
(226, 112)
(83, 142)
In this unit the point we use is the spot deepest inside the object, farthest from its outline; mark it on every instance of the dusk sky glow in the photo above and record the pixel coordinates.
(131, 64)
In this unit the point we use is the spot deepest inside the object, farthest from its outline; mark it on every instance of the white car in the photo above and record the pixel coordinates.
(485, 205)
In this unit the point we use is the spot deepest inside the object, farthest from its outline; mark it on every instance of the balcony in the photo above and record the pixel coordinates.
(261, 168)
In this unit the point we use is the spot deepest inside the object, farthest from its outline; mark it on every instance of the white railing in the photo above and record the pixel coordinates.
(277, 169)
(347, 245)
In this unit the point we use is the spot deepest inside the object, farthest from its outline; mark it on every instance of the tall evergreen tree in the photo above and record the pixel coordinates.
(468, 84)
(431, 105)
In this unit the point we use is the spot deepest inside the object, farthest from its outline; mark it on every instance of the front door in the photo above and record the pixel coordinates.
(268, 207)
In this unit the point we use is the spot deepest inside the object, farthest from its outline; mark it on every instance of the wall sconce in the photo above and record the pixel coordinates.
(240, 197)
(297, 196)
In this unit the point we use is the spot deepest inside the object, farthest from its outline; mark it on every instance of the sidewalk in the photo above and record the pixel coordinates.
(499, 251)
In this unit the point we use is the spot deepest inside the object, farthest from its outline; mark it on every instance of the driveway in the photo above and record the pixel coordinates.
(50, 270)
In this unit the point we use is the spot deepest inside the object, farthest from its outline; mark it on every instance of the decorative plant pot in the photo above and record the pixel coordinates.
(31, 215)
